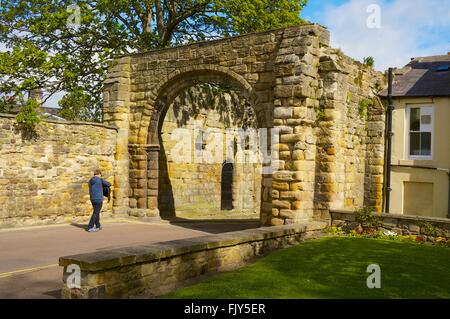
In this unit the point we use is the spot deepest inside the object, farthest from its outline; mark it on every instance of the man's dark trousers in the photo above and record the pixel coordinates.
(95, 218)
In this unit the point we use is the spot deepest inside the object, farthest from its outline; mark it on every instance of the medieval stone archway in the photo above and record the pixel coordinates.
(160, 185)
(188, 77)
(296, 83)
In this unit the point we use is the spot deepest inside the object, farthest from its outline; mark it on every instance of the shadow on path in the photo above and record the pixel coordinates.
(216, 226)
(82, 226)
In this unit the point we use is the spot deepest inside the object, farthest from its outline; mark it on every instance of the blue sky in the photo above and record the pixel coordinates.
(408, 28)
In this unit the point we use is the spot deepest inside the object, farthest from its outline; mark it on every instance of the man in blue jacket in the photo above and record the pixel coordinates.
(96, 185)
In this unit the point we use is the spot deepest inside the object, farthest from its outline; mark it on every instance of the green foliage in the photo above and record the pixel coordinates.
(428, 229)
(239, 17)
(333, 230)
(364, 106)
(45, 51)
(376, 234)
(372, 227)
(379, 87)
(75, 106)
(320, 113)
(28, 118)
(417, 239)
(369, 61)
(441, 241)
(215, 89)
(388, 235)
(368, 220)
(353, 233)
(359, 79)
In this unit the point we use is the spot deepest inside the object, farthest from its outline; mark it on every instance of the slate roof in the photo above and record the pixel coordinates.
(420, 78)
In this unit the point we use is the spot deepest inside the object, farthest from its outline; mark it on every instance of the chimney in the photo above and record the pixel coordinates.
(36, 94)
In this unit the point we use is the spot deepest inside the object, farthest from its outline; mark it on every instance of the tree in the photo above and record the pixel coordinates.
(75, 106)
(58, 46)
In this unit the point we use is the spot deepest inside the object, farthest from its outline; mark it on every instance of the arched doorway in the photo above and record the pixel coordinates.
(144, 143)
(190, 186)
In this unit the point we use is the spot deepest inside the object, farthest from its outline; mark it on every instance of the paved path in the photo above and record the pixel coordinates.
(29, 257)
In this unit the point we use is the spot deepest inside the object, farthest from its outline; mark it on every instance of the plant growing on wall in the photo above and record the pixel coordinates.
(359, 79)
(428, 229)
(28, 118)
(364, 106)
(334, 231)
(368, 220)
(369, 61)
(320, 113)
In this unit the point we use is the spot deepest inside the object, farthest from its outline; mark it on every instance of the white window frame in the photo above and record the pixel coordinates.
(408, 144)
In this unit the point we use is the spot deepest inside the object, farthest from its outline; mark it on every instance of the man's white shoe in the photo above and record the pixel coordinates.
(92, 230)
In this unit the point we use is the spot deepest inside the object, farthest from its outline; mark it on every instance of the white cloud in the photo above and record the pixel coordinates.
(409, 28)
(3, 47)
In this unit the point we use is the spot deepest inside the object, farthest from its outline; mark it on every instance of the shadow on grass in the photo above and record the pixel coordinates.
(335, 268)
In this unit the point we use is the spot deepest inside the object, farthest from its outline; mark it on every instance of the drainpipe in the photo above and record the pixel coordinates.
(448, 214)
(389, 134)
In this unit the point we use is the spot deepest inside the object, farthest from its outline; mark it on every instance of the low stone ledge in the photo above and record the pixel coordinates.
(396, 216)
(153, 269)
(404, 224)
(106, 259)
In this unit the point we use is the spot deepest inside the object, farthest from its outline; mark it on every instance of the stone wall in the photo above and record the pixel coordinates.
(44, 181)
(399, 224)
(332, 135)
(193, 187)
(350, 129)
(154, 269)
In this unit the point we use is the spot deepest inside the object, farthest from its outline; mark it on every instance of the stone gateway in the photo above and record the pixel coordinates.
(328, 154)
(331, 124)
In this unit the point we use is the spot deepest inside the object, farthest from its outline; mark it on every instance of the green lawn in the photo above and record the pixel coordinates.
(335, 267)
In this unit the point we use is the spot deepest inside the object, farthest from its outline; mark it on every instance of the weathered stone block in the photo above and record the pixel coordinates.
(283, 112)
(280, 186)
(281, 204)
